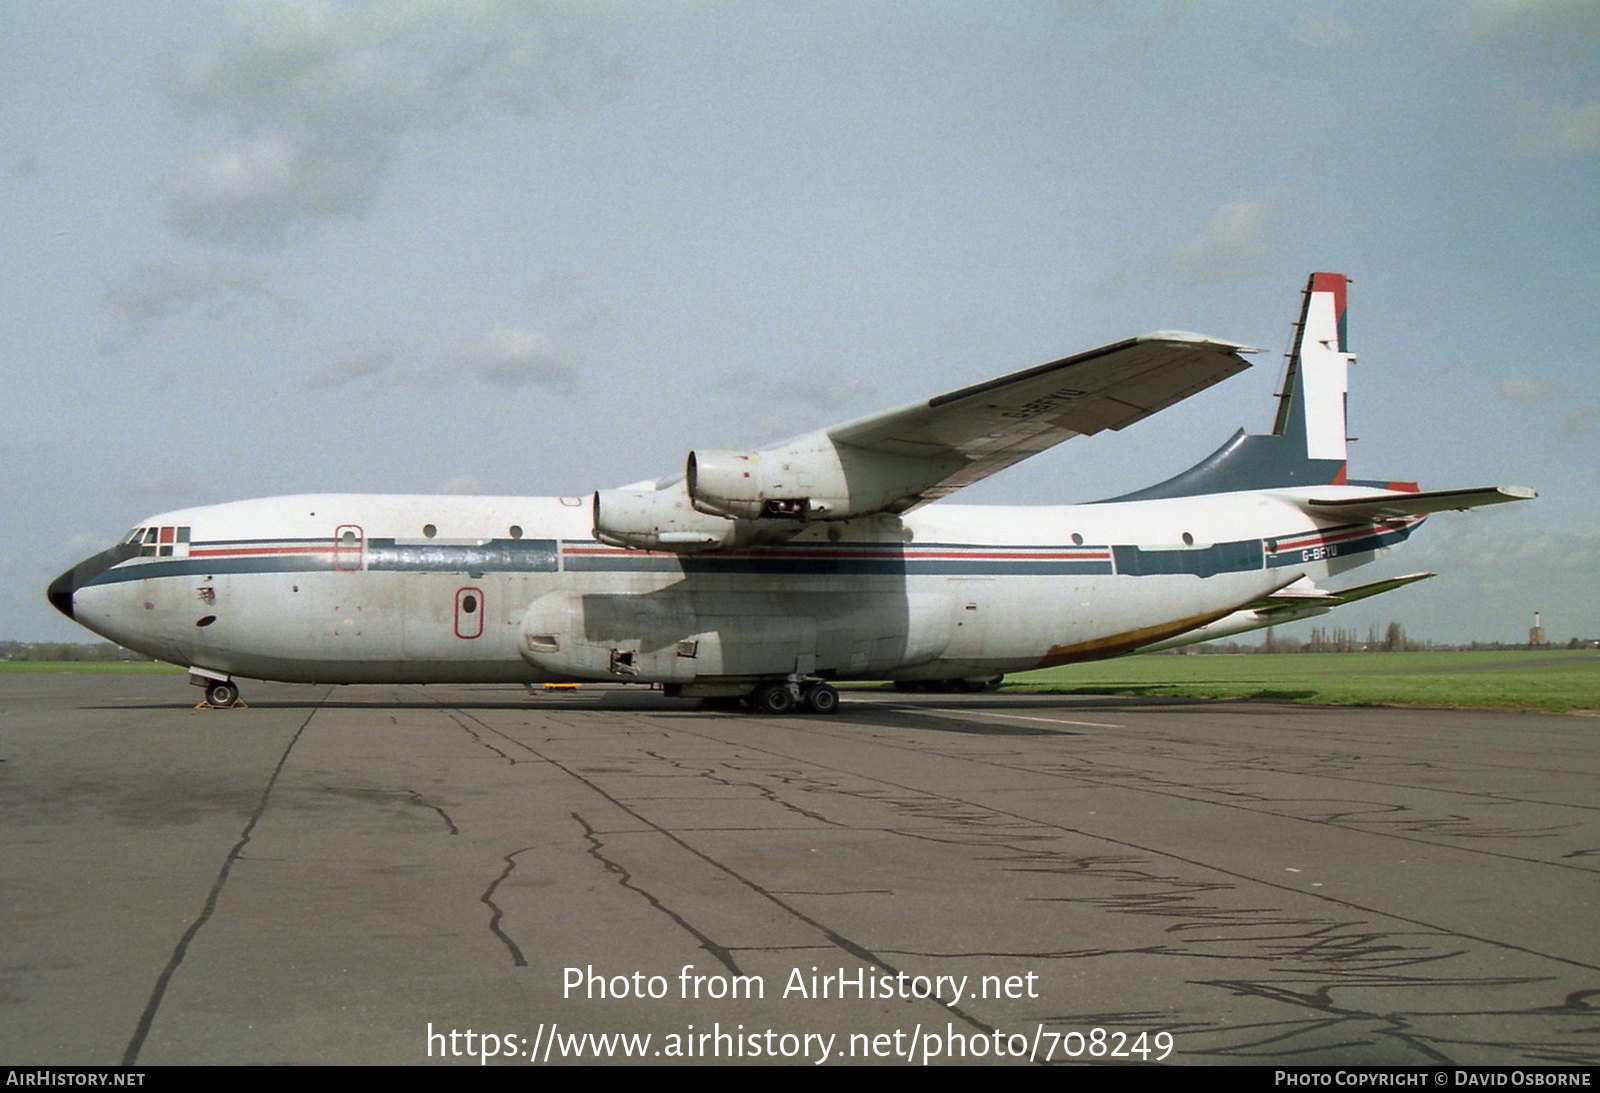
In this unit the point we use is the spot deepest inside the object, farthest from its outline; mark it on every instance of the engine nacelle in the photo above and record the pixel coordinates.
(810, 479)
(665, 520)
(754, 485)
(659, 520)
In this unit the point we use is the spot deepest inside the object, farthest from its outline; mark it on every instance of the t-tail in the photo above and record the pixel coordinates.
(1307, 444)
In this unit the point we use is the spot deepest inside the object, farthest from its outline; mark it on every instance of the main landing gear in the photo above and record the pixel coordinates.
(966, 685)
(782, 697)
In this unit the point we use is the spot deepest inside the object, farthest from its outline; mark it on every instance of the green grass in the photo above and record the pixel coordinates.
(98, 667)
(1552, 680)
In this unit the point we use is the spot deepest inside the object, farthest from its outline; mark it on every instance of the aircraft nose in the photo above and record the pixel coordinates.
(61, 589)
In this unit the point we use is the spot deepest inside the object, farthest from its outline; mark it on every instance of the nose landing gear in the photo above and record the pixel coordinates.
(221, 694)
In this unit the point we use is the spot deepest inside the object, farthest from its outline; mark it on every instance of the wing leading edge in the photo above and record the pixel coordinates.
(895, 461)
(967, 435)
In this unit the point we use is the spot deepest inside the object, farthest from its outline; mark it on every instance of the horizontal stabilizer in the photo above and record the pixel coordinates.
(1300, 600)
(1294, 598)
(1416, 504)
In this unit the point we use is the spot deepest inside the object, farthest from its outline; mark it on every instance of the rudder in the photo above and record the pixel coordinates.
(1315, 388)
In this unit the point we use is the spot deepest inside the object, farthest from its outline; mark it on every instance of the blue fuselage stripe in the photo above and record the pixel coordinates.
(822, 559)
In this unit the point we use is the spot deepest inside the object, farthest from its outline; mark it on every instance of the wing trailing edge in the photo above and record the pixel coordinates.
(966, 435)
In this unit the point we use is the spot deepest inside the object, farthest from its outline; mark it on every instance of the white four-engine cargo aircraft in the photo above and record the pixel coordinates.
(757, 577)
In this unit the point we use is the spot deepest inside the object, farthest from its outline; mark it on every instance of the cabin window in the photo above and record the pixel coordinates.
(1077, 540)
(516, 531)
(429, 531)
(469, 613)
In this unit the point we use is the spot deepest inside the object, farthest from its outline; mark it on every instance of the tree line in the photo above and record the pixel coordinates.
(65, 650)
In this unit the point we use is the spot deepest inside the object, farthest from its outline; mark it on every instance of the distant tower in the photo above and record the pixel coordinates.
(1536, 633)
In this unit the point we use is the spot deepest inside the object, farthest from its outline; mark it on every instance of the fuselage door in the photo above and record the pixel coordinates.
(349, 548)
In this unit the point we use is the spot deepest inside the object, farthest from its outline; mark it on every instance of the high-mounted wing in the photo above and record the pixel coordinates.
(967, 435)
(897, 460)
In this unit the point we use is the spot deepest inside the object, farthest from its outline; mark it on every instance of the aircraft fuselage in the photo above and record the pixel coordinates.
(346, 588)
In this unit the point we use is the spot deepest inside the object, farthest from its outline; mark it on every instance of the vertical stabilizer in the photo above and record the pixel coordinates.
(1307, 445)
(1311, 403)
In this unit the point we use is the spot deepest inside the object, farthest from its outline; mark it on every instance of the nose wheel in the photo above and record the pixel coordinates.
(223, 695)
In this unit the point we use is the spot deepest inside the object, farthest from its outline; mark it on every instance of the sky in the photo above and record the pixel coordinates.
(420, 246)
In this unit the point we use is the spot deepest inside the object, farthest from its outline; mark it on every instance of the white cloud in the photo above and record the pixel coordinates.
(153, 292)
(1239, 240)
(372, 362)
(505, 357)
(763, 410)
(1546, 56)
(1555, 129)
(1526, 388)
(318, 99)
(512, 357)
(1496, 567)
(461, 484)
(253, 189)
(1533, 36)
(1529, 389)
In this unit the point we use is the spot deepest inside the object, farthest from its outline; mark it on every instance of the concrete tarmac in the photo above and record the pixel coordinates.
(366, 874)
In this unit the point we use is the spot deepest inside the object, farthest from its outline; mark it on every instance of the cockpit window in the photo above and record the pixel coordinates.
(161, 542)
